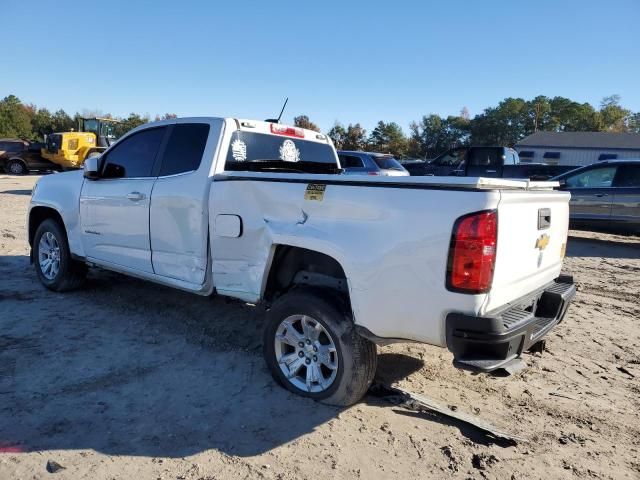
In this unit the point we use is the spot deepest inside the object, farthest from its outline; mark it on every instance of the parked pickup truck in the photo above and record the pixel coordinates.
(257, 211)
(494, 162)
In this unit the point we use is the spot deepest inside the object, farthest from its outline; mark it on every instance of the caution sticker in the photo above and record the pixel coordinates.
(315, 191)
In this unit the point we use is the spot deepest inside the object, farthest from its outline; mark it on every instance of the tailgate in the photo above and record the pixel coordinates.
(532, 238)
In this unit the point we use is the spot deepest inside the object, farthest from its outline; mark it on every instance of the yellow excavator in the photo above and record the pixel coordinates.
(70, 149)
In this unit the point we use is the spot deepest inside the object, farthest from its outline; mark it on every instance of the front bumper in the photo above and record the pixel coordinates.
(491, 341)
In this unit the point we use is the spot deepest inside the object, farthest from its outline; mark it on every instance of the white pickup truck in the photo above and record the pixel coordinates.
(259, 211)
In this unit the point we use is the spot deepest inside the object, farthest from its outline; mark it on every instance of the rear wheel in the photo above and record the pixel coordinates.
(312, 349)
(16, 167)
(55, 268)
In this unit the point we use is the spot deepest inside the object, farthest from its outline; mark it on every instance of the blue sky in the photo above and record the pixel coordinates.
(356, 61)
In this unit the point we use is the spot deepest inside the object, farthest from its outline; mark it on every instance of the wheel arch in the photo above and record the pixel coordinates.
(291, 266)
(39, 214)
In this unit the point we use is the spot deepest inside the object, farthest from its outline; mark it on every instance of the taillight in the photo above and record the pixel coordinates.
(472, 254)
(288, 131)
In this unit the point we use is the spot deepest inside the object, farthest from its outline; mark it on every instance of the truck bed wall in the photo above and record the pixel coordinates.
(391, 242)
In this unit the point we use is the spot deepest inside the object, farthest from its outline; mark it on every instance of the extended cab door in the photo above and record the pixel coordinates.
(625, 207)
(114, 210)
(591, 193)
(179, 214)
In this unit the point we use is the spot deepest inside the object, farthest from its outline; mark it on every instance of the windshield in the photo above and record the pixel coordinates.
(99, 127)
(249, 151)
(91, 125)
(387, 162)
(108, 130)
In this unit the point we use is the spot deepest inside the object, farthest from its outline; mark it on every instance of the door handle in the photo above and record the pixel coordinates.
(600, 195)
(135, 196)
(492, 171)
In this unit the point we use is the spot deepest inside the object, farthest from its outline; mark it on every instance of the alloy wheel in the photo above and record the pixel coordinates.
(49, 255)
(306, 353)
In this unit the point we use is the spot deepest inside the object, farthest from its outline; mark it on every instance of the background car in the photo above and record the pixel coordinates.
(485, 161)
(18, 157)
(370, 163)
(605, 194)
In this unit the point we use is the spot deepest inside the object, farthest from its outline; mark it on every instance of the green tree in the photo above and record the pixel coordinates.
(569, 116)
(302, 121)
(338, 135)
(132, 121)
(355, 138)
(62, 122)
(15, 118)
(613, 117)
(433, 134)
(504, 125)
(388, 138)
(540, 114)
(42, 123)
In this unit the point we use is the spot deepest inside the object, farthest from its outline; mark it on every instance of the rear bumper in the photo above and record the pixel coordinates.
(491, 341)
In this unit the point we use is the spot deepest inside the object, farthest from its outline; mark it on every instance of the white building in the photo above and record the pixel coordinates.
(577, 148)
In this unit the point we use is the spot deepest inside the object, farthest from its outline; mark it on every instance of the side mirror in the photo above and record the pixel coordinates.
(91, 167)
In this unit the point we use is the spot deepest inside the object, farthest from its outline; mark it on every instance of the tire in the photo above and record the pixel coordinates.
(15, 167)
(354, 357)
(50, 242)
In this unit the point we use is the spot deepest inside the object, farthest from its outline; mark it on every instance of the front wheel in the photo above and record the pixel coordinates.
(55, 268)
(312, 349)
(16, 167)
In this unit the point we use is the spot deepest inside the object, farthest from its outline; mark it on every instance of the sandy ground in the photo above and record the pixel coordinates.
(126, 379)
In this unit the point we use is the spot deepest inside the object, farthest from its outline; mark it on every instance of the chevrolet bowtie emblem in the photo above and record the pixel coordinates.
(542, 242)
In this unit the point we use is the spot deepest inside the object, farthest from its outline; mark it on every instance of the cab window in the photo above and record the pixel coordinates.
(350, 161)
(134, 156)
(593, 178)
(185, 148)
(628, 176)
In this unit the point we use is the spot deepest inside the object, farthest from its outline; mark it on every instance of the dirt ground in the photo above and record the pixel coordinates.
(127, 379)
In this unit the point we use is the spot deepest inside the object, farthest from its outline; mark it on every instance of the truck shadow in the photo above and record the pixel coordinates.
(17, 192)
(593, 247)
(126, 367)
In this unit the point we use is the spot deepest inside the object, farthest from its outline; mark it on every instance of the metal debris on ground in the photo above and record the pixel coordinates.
(53, 466)
(415, 401)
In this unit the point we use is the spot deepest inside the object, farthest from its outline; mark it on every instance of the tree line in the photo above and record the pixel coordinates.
(505, 124)
(28, 122)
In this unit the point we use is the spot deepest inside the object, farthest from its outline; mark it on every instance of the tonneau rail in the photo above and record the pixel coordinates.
(428, 182)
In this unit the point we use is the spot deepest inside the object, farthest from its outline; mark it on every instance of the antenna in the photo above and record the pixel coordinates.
(277, 120)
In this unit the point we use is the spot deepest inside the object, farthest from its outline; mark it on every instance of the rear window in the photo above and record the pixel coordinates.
(387, 162)
(249, 151)
(485, 157)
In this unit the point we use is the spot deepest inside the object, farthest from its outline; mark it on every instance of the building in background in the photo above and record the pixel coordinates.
(577, 148)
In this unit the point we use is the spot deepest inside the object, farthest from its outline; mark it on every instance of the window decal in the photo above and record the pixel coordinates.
(239, 150)
(289, 152)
